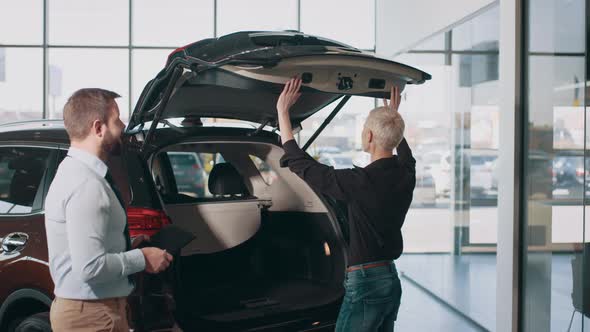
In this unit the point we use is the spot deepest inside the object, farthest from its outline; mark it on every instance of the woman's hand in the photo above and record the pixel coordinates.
(394, 99)
(289, 95)
(287, 99)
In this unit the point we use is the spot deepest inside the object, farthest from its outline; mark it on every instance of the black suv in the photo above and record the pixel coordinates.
(269, 252)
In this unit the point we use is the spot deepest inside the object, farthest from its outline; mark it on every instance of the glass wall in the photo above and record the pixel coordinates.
(452, 125)
(555, 292)
(50, 48)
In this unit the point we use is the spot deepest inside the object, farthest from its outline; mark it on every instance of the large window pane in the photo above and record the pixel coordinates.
(348, 21)
(73, 69)
(21, 84)
(559, 79)
(88, 22)
(438, 253)
(479, 34)
(452, 125)
(340, 144)
(556, 26)
(556, 169)
(171, 23)
(432, 61)
(426, 113)
(262, 15)
(554, 190)
(476, 108)
(146, 64)
(434, 43)
(21, 22)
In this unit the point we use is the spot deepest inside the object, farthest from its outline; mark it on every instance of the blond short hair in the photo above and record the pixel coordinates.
(84, 107)
(387, 127)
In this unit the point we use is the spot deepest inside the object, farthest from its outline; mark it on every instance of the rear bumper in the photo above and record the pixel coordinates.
(315, 326)
(152, 309)
(318, 319)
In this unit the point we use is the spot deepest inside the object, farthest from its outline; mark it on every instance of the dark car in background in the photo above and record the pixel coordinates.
(268, 255)
(570, 176)
(189, 173)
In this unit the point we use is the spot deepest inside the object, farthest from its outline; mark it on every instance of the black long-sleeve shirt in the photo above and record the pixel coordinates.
(378, 197)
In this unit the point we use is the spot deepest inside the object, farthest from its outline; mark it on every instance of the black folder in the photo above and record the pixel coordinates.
(172, 238)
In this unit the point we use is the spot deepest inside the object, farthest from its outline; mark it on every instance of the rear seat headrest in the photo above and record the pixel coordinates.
(225, 179)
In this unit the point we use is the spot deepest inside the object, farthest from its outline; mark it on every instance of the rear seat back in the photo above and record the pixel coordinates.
(218, 226)
(231, 218)
(226, 181)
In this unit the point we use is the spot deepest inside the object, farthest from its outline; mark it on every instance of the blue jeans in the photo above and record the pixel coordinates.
(371, 300)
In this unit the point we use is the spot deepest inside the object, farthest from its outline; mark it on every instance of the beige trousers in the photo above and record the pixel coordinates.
(89, 315)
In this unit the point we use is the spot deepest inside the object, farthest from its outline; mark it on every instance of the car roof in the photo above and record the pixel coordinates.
(52, 132)
(35, 130)
(32, 124)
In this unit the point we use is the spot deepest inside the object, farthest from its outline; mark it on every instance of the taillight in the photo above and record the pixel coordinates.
(145, 221)
(180, 49)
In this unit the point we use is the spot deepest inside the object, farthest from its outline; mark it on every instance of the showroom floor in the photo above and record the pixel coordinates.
(444, 292)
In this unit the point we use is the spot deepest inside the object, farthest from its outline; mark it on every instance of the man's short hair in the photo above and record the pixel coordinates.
(84, 107)
(387, 127)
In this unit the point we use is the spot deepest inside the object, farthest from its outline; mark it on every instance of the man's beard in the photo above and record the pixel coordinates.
(112, 148)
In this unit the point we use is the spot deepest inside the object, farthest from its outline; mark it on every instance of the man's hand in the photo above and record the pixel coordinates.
(289, 95)
(394, 99)
(156, 259)
(138, 240)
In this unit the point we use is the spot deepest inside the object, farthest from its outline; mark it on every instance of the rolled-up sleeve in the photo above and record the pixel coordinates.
(337, 184)
(87, 215)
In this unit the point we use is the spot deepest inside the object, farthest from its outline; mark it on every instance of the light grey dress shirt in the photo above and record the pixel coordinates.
(85, 222)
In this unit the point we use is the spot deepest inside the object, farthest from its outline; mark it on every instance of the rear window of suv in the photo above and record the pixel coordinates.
(191, 171)
(183, 159)
(267, 173)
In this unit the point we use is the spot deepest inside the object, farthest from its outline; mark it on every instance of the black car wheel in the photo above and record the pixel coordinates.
(35, 323)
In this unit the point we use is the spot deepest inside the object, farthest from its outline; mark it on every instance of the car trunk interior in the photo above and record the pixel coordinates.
(271, 250)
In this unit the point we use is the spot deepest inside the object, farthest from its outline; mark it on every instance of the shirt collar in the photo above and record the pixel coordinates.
(90, 160)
